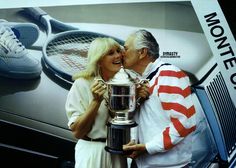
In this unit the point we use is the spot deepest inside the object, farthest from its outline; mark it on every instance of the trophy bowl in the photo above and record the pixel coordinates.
(121, 101)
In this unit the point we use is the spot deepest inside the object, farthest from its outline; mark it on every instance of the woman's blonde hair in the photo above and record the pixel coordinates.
(98, 48)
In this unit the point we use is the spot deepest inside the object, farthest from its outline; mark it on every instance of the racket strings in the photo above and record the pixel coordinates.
(69, 52)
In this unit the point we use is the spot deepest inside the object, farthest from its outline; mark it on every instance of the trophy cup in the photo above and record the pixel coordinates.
(122, 102)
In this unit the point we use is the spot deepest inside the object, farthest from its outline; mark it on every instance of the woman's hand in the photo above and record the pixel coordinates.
(98, 89)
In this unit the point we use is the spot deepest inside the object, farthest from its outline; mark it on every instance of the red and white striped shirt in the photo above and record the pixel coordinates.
(167, 118)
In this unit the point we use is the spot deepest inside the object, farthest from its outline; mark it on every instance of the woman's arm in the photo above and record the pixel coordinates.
(84, 122)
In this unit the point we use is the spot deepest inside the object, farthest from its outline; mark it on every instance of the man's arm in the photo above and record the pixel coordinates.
(176, 100)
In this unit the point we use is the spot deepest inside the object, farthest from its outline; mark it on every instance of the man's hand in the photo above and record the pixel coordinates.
(136, 149)
(142, 92)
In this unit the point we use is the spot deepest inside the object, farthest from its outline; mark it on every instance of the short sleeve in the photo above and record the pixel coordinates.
(77, 100)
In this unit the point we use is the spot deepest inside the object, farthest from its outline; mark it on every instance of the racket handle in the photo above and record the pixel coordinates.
(41, 16)
(35, 12)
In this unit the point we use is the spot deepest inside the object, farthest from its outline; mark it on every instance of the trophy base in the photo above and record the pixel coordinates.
(116, 151)
(117, 136)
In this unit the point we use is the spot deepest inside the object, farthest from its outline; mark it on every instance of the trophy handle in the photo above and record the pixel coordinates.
(100, 80)
(143, 81)
(105, 98)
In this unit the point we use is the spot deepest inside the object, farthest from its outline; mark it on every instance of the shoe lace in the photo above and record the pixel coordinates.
(9, 40)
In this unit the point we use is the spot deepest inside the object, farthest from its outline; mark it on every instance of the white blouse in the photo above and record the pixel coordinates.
(78, 100)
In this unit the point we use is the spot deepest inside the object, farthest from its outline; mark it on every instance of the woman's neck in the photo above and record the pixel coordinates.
(106, 76)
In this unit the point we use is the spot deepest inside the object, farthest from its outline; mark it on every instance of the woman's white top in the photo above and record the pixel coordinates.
(78, 100)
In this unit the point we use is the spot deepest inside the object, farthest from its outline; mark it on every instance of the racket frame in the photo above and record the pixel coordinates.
(49, 22)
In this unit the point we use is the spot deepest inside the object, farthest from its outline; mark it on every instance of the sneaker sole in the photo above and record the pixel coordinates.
(21, 75)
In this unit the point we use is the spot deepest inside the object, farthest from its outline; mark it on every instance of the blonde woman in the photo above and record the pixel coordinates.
(86, 110)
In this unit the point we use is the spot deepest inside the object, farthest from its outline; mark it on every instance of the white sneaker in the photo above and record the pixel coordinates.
(27, 33)
(15, 60)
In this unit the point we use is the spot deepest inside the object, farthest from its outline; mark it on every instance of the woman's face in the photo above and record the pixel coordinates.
(111, 63)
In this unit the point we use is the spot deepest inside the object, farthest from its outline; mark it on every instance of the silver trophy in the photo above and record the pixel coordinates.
(121, 101)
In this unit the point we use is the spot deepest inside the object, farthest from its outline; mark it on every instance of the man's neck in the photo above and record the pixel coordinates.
(141, 65)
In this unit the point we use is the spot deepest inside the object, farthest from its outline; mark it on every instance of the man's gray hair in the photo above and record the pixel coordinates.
(144, 39)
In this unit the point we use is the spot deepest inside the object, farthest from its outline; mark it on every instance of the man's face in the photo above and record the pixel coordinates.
(130, 57)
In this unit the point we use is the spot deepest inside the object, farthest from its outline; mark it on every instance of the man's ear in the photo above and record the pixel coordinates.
(143, 53)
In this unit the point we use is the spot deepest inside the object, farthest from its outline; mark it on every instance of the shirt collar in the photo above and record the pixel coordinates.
(150, 67)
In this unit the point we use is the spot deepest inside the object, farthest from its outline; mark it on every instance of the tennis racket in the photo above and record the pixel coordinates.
(64, 53)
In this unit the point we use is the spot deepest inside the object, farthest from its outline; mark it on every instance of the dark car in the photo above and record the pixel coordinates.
(33, 123)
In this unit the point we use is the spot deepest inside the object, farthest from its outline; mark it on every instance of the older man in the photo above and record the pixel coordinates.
(167, 118)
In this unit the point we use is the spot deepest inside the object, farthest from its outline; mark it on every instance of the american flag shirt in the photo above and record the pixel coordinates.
(167, 118)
